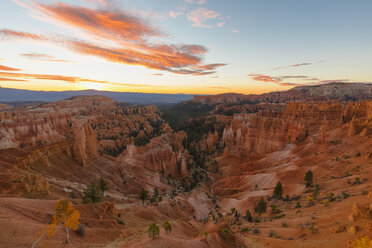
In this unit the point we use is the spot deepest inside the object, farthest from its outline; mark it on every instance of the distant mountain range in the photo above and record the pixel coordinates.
(17, 97)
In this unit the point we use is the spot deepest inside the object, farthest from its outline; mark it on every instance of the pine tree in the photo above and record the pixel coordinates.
(143, 195)
(92, 193)
(309, 179)
(102, 185)
(248, 216)
(278, 191)
(261, 206)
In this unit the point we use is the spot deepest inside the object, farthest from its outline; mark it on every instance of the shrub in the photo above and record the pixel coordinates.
(256, 231)
(313, 229)
(275, 210)
(357, 181)
(358, 154)
(364, 192)
(167, 226)
(80, 230)
(284, 224)
(298, 205)
(153, 231)
(325, 202)
(245, 230)
(224, 233)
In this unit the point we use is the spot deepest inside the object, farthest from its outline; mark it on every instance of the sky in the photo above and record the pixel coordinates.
(184, 46)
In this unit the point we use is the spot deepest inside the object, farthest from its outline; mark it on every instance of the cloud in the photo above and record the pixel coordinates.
(298, 65)
(112, 25)
(175, 14)
(276, 80)
(42, 57)
(6, 33)
(68, 79)
(201, 2)
(280, 80)
(235, 31)
(6, 68)
(220, 24)
(219, 87)
(11, 79)
(123, 38)
(200, 15)
(157, 74)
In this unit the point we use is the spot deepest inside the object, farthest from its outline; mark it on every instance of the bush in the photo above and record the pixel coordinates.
(256, 231)
(275, 210)
(314, 229)
(80, 230)
(224, 233)
(358, 154)
(167, 226)
(245, 230)
(153, 231)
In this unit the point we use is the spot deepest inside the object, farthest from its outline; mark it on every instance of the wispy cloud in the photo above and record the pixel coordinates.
(219, 87)
(3, 79)
(43, 57)
(130, 35)
(276, 80)
(174, 14)
(68, 79)
(7, 68)
(200, 15)
(281, 80)
(298, 65)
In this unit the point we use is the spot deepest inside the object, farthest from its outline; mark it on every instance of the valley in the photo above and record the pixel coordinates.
(205, 164)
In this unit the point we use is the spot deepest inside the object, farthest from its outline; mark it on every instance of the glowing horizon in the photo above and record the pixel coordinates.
(183, 46)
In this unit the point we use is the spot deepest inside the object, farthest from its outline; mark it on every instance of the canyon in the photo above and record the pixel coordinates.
(210, 158)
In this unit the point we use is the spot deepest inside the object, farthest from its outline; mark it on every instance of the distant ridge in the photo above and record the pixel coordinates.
(16, 96)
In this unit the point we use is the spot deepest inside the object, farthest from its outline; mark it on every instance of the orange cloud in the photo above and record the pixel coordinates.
(6, 68)
(11, 79)
(130, 33)
(24, 76)
(6, 33)
(276, 80)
